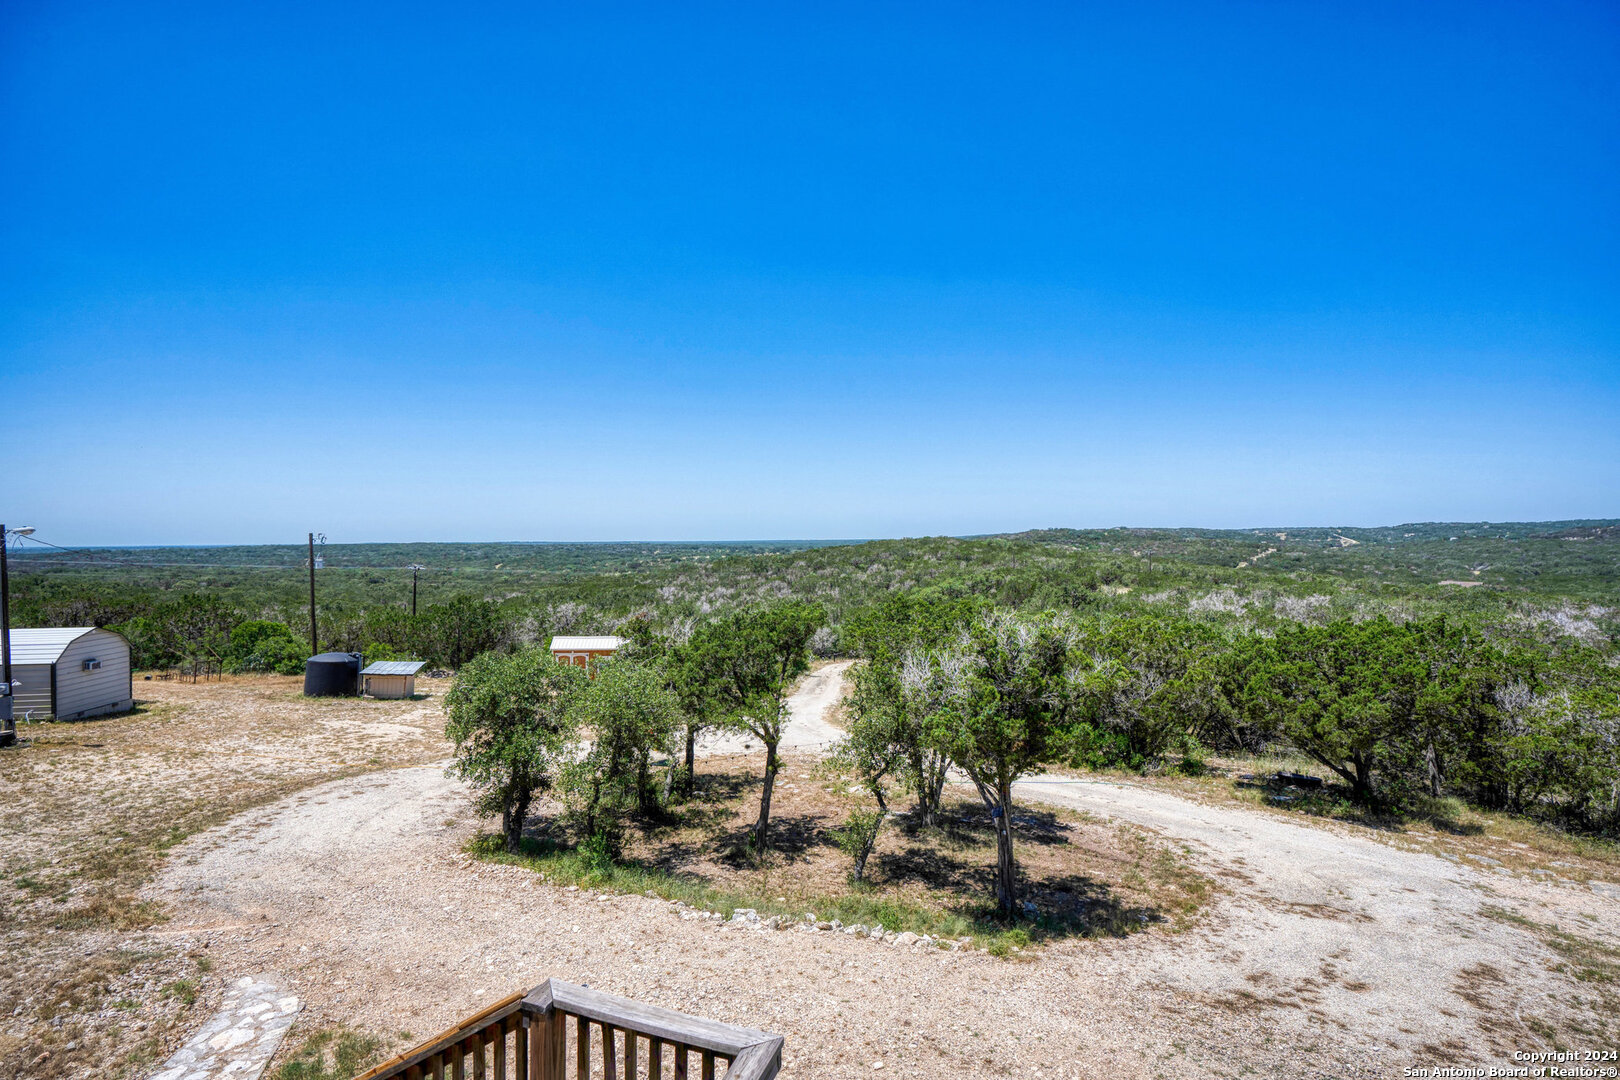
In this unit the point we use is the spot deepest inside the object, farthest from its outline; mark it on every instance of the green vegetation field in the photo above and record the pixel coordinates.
(1524, 616)
(1412, 664)
(1540, 579)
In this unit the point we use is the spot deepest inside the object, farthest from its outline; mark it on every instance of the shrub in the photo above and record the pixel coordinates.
(630, 714)
(265, 647)
(376, 650)
(857, 836)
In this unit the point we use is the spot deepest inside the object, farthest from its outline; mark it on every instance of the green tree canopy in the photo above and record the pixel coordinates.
(625, 714)
(745, 662)
(1149, 683)
(509, 715)
(1009, 700)
(1344, 693)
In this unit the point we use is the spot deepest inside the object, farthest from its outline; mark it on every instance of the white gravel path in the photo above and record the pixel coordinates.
(807, 727)
(1402, 928)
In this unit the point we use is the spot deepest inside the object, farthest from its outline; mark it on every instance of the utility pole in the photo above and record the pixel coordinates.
(413, 568)
(8, 715)
(8, 720)
(314, 644)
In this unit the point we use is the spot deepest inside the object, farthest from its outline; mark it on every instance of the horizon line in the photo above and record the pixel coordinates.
(825, 541)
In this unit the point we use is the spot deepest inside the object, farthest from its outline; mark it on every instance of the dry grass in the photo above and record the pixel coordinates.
(336, 1053)
(1446, 827)
(89, 810)
(1595, 968)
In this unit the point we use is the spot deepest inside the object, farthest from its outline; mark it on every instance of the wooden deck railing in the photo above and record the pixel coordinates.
(535, 1037)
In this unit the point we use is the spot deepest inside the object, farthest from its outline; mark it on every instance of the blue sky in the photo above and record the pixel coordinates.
(404, 272)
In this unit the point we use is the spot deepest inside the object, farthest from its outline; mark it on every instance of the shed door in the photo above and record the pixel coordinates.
(34, 695)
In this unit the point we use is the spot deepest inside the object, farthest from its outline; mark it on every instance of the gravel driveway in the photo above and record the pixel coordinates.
(1389, 945)
(807, 726)
(1326, 955)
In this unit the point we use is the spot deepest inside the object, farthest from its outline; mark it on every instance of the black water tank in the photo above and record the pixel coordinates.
(333, 674)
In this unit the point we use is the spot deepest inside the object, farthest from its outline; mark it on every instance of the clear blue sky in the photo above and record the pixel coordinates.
(466, 271)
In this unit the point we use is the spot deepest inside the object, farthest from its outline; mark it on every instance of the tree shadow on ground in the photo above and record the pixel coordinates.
(961, 860)
(939, 879)
(1335, 801)
(792, 839)
(967, 824)
(1076, 905)
(711, 804)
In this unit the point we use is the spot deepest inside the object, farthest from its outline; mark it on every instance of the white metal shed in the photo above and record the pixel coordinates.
(70, 673)
(391, 678)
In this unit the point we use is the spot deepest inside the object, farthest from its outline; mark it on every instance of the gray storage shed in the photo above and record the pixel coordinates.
(70, 673)
(390, 678)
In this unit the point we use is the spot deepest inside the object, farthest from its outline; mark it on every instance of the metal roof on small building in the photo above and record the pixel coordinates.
(605, 643)
(44, 645)
(394, 667)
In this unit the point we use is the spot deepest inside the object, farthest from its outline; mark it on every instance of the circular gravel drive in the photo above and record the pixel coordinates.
(1325, 954)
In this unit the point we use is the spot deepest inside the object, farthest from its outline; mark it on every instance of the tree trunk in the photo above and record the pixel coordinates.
(919, 770)
(936, 794)
(691, 758)
(591, 805)
(1364, 787)
(1431, 761)
(928, 771)
(646, 799)
(871, 842)
(1339, 770)
(762, 827)
(1006, 871)
(999, 801)
(513, 816)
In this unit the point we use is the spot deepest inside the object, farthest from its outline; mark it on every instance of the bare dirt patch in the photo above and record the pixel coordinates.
(369, 904)
(1338, 958)
(1413, 938)
(89, 811)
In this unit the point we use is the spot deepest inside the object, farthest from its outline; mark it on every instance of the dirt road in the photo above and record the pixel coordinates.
(807, 727)
(1327, 955)
(1390, 946)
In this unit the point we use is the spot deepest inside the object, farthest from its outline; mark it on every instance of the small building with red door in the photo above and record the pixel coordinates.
(580, 651)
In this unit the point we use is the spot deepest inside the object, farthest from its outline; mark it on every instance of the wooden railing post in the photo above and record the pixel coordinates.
(538, 1026)
(540, 1054)
(559, 1047)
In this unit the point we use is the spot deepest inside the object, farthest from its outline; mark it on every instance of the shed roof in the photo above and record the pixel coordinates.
(394, 667)
(605, 643)
(44, 645)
